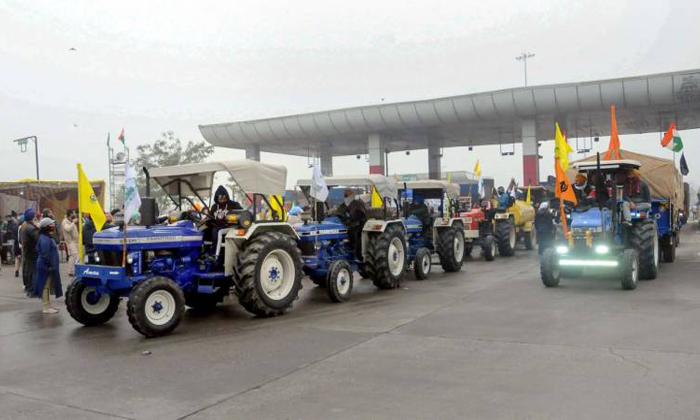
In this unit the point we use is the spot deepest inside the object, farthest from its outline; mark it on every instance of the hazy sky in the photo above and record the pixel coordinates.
(162, 65)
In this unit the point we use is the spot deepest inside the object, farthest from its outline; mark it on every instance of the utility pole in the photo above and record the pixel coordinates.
(23, 148)
(523, 57)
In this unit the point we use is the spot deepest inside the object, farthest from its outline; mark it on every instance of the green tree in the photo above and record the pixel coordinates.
(168, 150)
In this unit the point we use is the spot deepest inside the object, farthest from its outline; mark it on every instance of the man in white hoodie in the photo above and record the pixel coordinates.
(69, 228)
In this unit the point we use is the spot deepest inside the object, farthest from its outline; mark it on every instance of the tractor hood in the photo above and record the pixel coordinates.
(330, 228)
(591, 220)
(182, 234)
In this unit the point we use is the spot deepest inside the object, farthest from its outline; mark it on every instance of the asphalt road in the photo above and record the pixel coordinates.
(489, 342)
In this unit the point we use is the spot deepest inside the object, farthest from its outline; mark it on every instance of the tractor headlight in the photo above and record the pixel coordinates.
(97, 258)
(561, 249)
(602, 249)
(129, 259)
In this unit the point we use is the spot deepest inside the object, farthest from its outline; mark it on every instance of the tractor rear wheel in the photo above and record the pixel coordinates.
(270, 274)
(89, 307)
(386, 257)
(629, 269)
(506, 237)
(644, 239)
(155, 306)
(531, 239)
(450, 248)
(339, 280)
(549, 268)
(422, 264)
(668, 250)
(488, 247)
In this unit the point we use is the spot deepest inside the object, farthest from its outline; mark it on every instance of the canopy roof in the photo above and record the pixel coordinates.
(385, 186)
(661, 175)
(644, 104)
(452, 189)
(606, 164)
(34, 190)
(251, 177)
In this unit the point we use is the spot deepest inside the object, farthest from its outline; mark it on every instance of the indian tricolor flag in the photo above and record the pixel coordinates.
(672, 140)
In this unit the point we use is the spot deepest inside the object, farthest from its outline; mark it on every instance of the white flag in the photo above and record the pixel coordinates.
(319, 189)
(132, 200)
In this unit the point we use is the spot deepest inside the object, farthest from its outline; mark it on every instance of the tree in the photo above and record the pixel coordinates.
(168, 150)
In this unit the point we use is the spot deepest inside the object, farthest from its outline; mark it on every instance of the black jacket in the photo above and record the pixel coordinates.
(88, 231)
(353, 215)
(30, 236)
(219, 211)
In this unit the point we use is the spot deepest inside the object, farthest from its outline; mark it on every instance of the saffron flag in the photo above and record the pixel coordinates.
(561, 148)
(132, 199)
(87, 200)
(613, 151)
(672, 140)
(121, 138)
(564, 190)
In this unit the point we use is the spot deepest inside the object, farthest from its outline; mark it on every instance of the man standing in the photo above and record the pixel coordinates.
(69, 227)
(30, 236)
(89, 230)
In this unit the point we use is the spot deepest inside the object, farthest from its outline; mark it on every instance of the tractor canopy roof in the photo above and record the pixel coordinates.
(385, 186)
(607, 165)
(452, 189)
(197, 178)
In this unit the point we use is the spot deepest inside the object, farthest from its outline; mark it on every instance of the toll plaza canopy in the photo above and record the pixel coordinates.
(525, 114)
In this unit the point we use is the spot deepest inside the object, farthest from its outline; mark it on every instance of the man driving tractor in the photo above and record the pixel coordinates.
(419, 209)
(353, 214)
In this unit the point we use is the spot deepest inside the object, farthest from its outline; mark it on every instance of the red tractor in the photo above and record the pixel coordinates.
(478, 228)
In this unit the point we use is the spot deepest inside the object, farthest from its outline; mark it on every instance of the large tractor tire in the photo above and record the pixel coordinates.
(668, 250)
(155, 306)
(549, 268)
(644, 238)
(530, 239)
(506, 237)
(488, 248)
(629, 269)
(386, 257)
(339, 279)
(269, 269)
(205, 302)
(422, 264)
(89, 307)
(450, 248)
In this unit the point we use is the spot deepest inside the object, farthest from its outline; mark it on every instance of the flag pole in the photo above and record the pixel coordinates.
(124, 244)
(81, 251)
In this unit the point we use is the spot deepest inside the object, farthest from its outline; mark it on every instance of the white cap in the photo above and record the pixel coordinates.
(46, 221)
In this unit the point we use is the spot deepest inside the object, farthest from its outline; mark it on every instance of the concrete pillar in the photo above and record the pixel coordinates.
(252, 152)
(375, 145)
(434, 158)
(531, 161)
(326, 157)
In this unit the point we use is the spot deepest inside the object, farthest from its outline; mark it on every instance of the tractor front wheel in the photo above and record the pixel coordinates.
(339, 279)
(488, 248)
(644, 238)
(629, 269)
(668, 250)
(270, 274)
(549, 268)
(155, 306)
(531, 239)
(422, 264)
(89, 307)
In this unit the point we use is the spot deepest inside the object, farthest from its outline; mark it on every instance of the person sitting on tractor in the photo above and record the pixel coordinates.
(635, 192)
(222, 206)
(505, 200)
(353, 214)
(419, 209)
(582, 189)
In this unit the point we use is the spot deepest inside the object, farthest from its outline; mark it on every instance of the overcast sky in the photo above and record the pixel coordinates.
(162, 65)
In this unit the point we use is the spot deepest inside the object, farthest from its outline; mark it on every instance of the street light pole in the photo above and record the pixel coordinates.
(523, 57)
(23, 148)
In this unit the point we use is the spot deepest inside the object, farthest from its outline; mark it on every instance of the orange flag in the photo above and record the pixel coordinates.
(564, 191)
(614, 146)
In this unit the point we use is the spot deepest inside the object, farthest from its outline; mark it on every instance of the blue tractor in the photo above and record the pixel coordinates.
(372, 242)
(427, 234)
(186, 260)
(605, 232)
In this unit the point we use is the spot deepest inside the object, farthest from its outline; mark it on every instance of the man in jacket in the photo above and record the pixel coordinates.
(353, 213)
(30, 236)
(222, 206)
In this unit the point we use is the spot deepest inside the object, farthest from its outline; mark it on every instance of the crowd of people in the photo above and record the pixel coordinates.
(39, 242)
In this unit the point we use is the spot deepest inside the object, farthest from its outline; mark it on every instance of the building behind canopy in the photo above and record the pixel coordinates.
(59, 196)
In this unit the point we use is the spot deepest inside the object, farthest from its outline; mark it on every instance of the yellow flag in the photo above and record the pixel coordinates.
(561, 148)
(87, 200)
(276, 202)
(376, 199)
(477, 169)
(528, 200)
(449, 177)
(564, 191)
